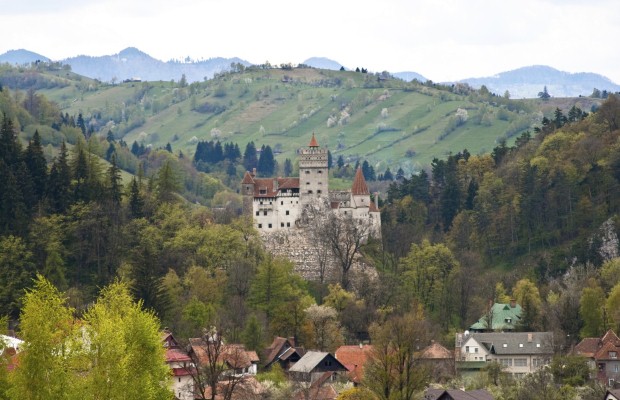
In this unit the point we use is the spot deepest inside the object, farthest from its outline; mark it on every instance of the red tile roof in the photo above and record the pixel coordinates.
(587, 347)
(372, 207)
(436, 351)
(247, 178)
(234, 355)
(354, 358)
(264, 187)
(177, 355)
(359, 184)
(313, 142)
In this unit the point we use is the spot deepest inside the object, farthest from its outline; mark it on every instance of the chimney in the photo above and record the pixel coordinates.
(253, 172)
(361, 345)
(377, 200)
(529, 338)
(513, 303)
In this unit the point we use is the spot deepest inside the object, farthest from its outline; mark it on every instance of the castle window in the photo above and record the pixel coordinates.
(320, 171)
(307, 171)
(269, 225)
(319, 191)
(288, 224)
(282, 203)
(257, 213)
(265, 212)
(260, 226)
(307, 183)
(281, 224)
(287, 212)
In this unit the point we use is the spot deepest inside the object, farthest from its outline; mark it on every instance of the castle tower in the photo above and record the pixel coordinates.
(313, 172)
(247, 191)
(360, 195)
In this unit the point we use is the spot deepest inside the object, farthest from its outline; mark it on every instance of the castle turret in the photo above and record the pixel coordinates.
(247, 191)
(360, 195)
(313, 172)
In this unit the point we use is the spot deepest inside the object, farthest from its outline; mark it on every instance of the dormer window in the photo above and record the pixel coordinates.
(505, 345)
(508, 320)
(613, 355)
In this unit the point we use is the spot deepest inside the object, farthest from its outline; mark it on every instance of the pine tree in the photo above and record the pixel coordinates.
(59, 184)
(37, 166)
(266, 162)
(114, 184)
(288, 167)
(249, 157)
(136, 202)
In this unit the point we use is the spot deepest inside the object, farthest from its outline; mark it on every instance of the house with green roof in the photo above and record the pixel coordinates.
(504, 317)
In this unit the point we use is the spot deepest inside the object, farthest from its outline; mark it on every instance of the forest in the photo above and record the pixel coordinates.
(535, 221)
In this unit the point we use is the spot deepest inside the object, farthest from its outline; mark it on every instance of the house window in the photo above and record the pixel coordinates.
(506, 362)
(520, 362)
(616, 368)
(179, 379)
(508, 320)
(613, 355)
(475, 350)
(466, 349)
(287, 212)
(269, 225)
(262, 191)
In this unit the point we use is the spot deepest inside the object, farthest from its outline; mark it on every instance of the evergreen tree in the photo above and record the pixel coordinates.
(340, 162)
(250, 161)
(114, 189)
(37, 166)
(110, 151)
(167, 183)
(168, 147)
(329, 160)
(59, 185)
(288, 167)
(136, 202)
(388, 176)
(266, 162)
(81, 124)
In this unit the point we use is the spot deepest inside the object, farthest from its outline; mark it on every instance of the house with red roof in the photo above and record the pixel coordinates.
(602, 354)
(354, 358)
(277, 203)
(439, 361)
(181, 365)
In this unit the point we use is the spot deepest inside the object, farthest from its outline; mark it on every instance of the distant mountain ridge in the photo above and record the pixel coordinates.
(527, 82)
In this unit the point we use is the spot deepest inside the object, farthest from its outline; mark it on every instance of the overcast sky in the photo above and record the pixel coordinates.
(440, 39)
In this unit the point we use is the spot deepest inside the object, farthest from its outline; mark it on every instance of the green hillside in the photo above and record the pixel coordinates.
(375, 117)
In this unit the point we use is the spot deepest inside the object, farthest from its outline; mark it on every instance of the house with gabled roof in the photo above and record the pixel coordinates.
(519, 353)
(314, 365)
(238, 360)
(456, 394)
(282, 351)
(180, 363)
(603, 356)
(501, 317)
(354, 358)
(438, 360)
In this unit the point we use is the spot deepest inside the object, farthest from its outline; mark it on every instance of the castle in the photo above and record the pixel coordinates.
(278, 204)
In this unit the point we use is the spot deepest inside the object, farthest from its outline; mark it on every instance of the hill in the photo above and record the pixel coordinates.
(409, 76)
(132, 63)
(323, 63)
(527, 82)
(20, 57)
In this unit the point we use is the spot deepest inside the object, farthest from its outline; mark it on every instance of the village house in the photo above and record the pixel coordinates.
(502, 317)
(282, 351)
(612, 394)
(278, 204)
(519, 353)
(181, 365)
(315, 365)
(602, 354)
(238, 360)
(438, 360)
(354, 358)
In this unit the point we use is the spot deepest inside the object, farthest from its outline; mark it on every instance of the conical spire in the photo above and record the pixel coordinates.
(359, 184)
(313, 142)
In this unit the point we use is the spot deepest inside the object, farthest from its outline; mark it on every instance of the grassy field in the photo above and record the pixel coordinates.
(359, 116)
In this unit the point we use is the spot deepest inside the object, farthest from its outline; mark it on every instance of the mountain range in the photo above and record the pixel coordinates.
(130, 63)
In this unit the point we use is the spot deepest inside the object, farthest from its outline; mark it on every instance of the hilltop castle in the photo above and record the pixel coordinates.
(278, 204)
